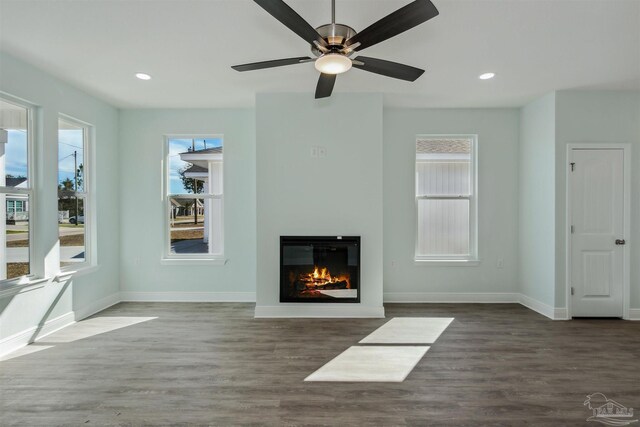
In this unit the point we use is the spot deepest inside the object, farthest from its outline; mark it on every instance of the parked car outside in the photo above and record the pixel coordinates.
(78, 220)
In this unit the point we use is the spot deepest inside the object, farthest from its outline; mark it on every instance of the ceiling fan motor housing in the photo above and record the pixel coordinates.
(335, 35)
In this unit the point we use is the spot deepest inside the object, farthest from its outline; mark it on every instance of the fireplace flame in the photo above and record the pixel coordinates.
(322, 277)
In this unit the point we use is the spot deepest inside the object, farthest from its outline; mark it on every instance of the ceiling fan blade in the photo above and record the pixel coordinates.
(271, 64)
(325, 85)
(387, 68)
(403, 19)
(290, 18)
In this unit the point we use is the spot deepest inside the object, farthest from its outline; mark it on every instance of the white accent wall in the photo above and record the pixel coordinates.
(336, 193)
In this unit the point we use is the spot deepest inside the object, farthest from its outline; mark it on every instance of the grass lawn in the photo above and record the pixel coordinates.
(187, 235)
(17, 269)
(71, 226)
(18, 243)
(17, 231)
(187, 224)
(71, 240)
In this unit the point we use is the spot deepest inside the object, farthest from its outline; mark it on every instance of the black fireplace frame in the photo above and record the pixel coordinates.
(320, 239)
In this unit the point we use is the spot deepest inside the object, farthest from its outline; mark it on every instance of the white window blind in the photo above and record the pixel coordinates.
(445, 199)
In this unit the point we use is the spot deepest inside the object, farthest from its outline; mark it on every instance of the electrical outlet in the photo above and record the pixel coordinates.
(393, 263)
(322, 152)
(314, 151)
(500, 263)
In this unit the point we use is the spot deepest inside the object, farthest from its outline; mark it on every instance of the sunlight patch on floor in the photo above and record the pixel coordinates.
(409, 330)
(30, 349)
(371, 364)
(92, 327)
(84, 329)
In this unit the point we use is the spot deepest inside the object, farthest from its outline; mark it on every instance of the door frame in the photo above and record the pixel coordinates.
(626, 256)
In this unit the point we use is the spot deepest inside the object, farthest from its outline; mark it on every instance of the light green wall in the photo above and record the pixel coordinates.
(272, 187)
(340, 194)
(142, 209)
(497, 131)
(537, 199)
(603, 117)
(52, 97)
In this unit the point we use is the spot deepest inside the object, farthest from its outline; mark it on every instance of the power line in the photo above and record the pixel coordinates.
(71, 145)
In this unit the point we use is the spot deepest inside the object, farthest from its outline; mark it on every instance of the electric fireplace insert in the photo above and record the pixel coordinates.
(320, 269)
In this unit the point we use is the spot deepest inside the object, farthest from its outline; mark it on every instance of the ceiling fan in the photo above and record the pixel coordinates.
(334, 44)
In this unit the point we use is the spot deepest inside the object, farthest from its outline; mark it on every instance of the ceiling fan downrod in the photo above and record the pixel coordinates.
(333, 11)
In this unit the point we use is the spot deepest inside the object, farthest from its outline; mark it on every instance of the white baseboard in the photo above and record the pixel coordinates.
(561, 313)
(450, 297)
(19, 340)
(188, 296)
(553, 313)
(97, 306)
(634, 314)
(308, 310)
(485, 297)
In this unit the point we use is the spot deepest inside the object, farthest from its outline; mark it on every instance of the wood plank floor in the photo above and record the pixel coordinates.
(213, 364)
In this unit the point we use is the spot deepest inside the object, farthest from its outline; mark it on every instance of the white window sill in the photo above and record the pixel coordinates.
(13, 287)
(193, 261)
(447, 262)
(72, 271)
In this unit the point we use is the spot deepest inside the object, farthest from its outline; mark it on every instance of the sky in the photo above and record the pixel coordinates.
(181, 145)
(70, 140)
(16, 153)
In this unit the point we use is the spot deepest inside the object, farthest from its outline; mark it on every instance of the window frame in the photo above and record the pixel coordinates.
(193, 258)
(451, 260)
(87, 194)
(36, 270)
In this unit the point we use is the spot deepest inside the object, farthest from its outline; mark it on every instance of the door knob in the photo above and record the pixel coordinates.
(620, 242)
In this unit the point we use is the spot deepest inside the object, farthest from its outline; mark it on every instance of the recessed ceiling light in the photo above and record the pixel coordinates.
(486, 76)
(143, 76)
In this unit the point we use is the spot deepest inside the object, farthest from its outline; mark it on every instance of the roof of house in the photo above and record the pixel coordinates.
(443, 145)
(178, 202)
(196, 169)
(14, 182)
(214, 150)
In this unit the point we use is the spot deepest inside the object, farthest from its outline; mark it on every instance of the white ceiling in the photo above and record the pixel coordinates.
(188, 46)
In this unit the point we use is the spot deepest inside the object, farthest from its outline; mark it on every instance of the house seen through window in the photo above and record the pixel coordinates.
(15, 191)
(194, 200)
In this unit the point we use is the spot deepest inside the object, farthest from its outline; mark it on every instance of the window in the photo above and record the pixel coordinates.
(15, 190)
(73, 196)
(446, 198)
(194, 198)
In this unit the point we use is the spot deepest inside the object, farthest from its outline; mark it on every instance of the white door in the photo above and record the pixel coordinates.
(597, 248)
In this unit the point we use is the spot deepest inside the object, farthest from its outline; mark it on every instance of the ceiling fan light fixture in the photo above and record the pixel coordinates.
(333, 63)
